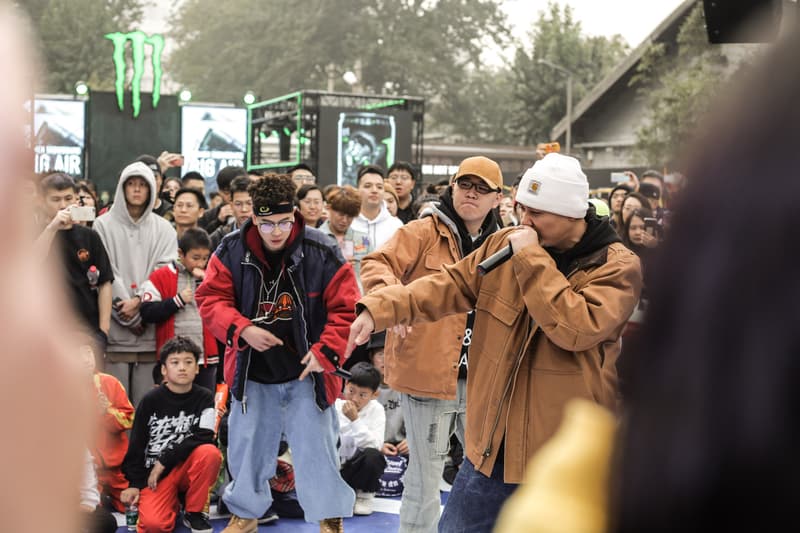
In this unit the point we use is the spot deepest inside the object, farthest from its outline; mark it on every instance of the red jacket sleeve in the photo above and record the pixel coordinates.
(217, 305)
(340, 299)
(118, 416)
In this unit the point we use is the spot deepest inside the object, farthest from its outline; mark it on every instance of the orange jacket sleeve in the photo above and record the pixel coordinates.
(118, 415)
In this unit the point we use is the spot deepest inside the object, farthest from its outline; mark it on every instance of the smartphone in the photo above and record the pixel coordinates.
(82, 213)
(619, 177)
(651, 226)
(177, 161)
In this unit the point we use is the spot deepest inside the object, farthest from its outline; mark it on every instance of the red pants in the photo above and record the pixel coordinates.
(195, 476)
(112, 482)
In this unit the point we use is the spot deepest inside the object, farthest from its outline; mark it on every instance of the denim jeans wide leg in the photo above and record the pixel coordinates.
(475, 501)
(312, 435)
(253, 440)
(430, 423)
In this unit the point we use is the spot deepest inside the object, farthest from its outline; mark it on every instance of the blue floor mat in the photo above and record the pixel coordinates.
(385, 519)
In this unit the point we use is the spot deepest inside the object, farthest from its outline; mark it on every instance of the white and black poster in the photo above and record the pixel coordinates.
(59, 133)
(212, 138)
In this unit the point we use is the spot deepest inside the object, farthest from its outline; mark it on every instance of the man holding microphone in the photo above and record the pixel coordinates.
(547, 326)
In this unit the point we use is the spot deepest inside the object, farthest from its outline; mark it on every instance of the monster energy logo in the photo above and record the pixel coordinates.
(138, 40)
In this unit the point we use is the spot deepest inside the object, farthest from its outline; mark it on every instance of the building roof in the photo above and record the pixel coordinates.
(623, 68)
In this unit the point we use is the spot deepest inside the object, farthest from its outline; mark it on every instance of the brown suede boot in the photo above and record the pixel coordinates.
(332, 525)
(241, 525)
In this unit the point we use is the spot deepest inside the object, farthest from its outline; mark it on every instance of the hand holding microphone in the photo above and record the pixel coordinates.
(520, 238)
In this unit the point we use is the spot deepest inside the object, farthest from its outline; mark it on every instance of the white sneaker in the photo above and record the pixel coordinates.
(363, 504)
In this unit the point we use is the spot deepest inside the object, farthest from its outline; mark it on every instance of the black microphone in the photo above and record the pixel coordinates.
(342, 373)
(495, 260)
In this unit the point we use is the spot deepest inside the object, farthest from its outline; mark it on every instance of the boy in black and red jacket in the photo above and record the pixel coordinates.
(168, 302)
(172, 446)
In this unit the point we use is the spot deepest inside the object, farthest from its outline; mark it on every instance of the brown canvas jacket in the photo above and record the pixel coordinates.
(541, 339)
(425, 362)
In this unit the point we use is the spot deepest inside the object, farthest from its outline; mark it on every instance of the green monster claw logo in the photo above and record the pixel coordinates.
(138, 39)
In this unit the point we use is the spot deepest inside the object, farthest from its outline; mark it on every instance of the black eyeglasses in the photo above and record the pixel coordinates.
(269, 227)
(466, 184)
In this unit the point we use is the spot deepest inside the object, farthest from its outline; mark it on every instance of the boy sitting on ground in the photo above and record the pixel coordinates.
(115, 418)
(394, 439)
(362, 422)
(395, 445)
(172, 446)
(94, 517)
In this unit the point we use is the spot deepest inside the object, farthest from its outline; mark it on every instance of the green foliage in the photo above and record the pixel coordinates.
(71, 38)
(479, 109)
(419, 48)
(679, 87)
(539, 90)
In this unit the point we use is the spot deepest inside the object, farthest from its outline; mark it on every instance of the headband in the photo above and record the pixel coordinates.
(275, 209)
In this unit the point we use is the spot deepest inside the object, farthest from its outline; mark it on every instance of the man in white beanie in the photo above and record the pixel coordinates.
(547, 329)
(138, 242)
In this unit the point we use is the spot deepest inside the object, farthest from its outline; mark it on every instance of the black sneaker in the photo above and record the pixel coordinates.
(197, 522)
(268, 517)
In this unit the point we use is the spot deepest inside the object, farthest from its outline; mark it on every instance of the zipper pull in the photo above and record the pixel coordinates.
(244, 405)
(488, 451)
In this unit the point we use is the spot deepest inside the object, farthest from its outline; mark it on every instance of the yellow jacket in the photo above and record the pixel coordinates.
(566, 484)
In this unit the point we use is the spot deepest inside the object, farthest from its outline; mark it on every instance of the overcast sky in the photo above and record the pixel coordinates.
(633, 19)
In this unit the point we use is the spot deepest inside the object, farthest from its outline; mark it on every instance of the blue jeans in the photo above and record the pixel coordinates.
(430, 423)
(475, 501)
(253, 440)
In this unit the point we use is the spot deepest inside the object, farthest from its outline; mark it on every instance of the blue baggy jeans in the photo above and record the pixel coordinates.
(253, 440)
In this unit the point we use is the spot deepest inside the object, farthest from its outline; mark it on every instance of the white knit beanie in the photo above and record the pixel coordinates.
(555, 184)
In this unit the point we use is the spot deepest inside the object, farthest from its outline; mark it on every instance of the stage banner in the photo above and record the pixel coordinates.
(211, 139)
(59, 136)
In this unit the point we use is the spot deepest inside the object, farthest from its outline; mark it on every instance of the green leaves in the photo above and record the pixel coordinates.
(540, 90)
(678, 87)
(72, 44)
(417, 48)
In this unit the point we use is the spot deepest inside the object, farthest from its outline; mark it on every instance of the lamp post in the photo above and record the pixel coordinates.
(569, 75)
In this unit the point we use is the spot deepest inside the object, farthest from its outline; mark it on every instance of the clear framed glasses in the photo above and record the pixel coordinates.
(398, 177)
(269, 227)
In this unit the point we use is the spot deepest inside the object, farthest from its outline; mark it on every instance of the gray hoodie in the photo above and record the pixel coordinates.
(136, 249)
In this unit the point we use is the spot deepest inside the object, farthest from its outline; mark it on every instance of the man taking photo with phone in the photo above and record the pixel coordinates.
(547, 328)
(88, 272)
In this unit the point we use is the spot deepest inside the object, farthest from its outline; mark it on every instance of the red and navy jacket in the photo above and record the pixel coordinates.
(324, 287)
